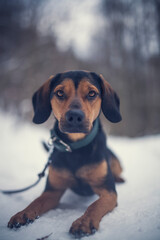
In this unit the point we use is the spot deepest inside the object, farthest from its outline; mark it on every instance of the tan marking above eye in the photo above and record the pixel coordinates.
(59, 87)
(85, 89)
(67, 87)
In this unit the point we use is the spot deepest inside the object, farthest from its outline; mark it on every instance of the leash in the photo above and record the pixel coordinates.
(56, 142)
(40, 176)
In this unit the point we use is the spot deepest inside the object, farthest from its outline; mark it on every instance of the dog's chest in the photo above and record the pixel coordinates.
(93, 173)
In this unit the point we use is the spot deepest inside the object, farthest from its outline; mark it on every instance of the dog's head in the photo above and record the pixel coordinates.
(76, 98)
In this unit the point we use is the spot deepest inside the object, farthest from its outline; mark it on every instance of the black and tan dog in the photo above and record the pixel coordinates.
(80, 160)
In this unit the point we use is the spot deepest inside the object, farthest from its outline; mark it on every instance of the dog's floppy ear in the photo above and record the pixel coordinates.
(110, 102)
(41, 103)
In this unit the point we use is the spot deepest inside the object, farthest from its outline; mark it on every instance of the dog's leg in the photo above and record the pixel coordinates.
(115, 166)
(116, 170)
(100, 178)
(59, 181)
(48, 200)
(89, 222)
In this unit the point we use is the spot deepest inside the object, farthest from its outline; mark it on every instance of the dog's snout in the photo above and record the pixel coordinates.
(75, 117)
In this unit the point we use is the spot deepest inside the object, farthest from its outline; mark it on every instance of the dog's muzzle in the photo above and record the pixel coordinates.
(75, 117)
(74, 122)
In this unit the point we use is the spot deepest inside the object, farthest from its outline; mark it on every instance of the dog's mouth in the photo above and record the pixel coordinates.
(71, 128)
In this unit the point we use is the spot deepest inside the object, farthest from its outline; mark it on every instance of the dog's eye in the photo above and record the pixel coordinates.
(92, 94)
(60, 94)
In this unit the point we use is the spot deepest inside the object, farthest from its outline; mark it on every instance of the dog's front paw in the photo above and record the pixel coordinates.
(21, 219)
(84, 226)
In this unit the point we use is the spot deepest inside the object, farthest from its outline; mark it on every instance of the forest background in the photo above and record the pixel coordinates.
(117, 38)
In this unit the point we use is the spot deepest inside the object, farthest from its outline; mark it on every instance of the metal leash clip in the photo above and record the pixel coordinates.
(51, 141)
(54, 139)
(68, 148)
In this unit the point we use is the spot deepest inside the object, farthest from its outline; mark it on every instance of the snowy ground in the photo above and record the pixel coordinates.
(137, 216)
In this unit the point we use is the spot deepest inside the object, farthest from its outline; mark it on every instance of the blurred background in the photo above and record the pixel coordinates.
(117, 38)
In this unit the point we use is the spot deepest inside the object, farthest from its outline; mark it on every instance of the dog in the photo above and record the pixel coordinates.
(81, 160)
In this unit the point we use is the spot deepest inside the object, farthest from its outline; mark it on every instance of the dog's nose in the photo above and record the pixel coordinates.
(75, 117)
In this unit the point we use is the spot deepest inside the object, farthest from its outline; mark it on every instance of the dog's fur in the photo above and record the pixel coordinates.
(88, 170)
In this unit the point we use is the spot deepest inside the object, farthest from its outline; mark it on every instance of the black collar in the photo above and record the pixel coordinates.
(69, 147)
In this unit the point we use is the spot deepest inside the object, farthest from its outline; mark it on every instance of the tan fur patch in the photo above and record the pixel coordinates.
(103, 205)
(115, 167)
(61, 107)
(90, 108)
(60, 179)
(93, 174)
(76, 136)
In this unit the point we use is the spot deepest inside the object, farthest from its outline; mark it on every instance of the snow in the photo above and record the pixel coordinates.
(137, 216)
